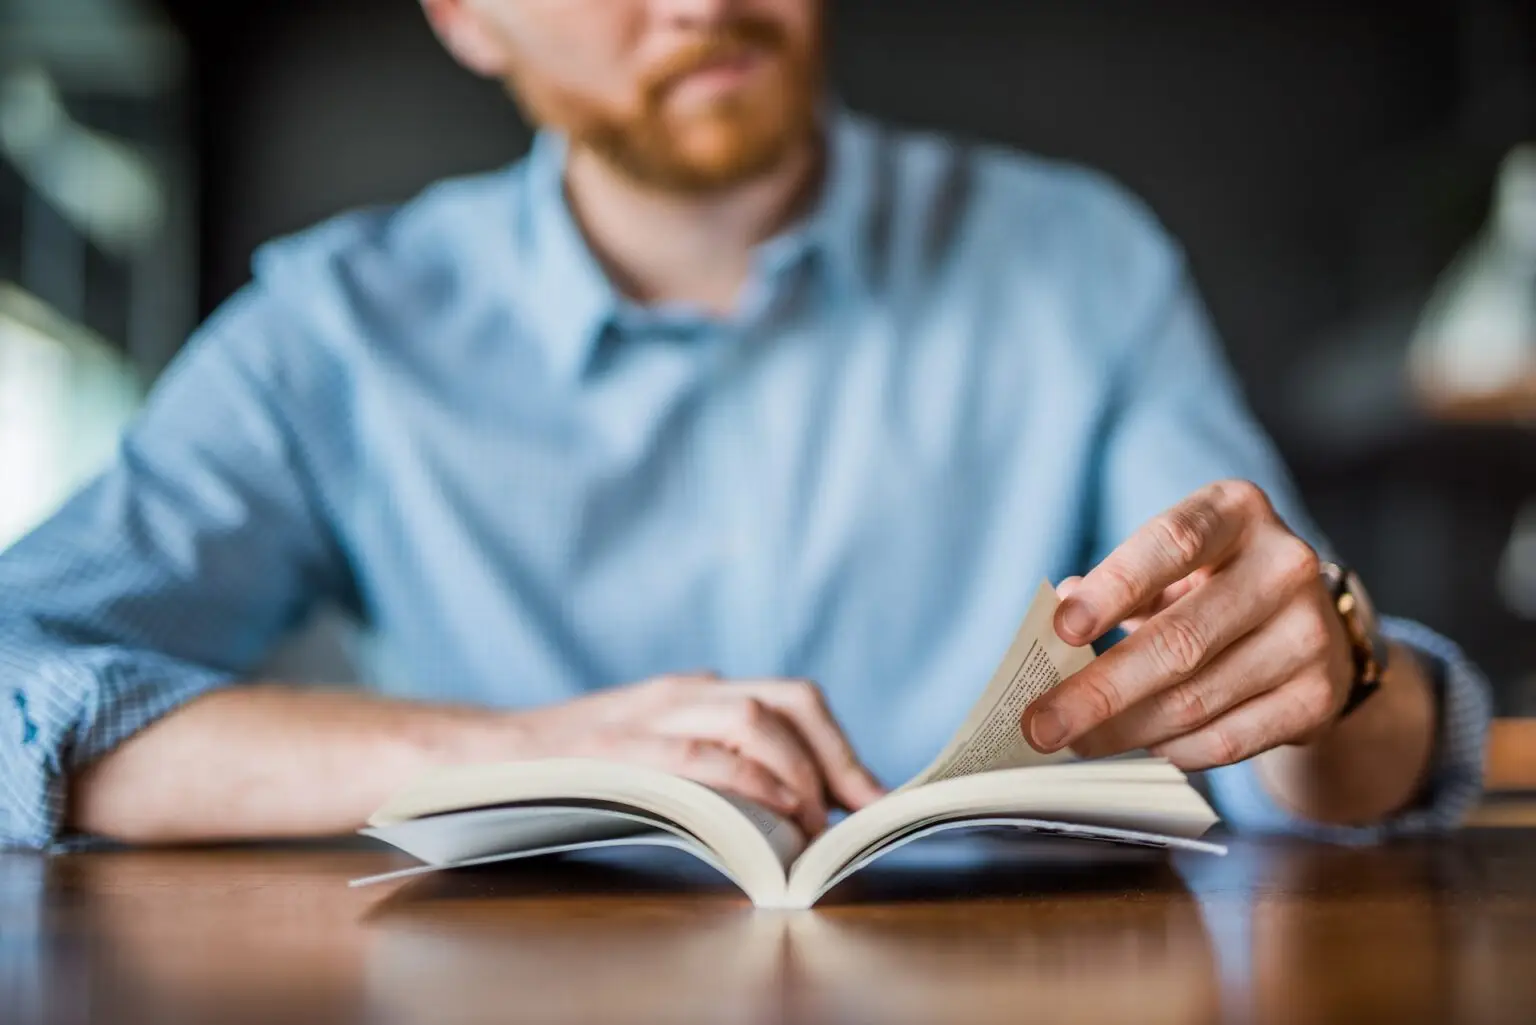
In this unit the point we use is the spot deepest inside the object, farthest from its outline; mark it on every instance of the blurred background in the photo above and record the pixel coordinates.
(1346, 175)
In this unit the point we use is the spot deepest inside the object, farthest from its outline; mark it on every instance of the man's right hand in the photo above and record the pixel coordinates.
(772, 741)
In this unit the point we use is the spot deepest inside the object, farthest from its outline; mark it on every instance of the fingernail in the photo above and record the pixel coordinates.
(1047, 729)
(1078, 618)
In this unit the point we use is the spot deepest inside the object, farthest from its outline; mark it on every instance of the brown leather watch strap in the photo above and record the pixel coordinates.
(1367, 649)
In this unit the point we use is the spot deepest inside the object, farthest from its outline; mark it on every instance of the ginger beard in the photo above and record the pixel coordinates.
(702, 147)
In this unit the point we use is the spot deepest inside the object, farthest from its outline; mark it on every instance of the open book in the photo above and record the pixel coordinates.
(987, 776)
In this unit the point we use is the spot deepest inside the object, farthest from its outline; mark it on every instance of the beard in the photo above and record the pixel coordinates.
(730, 140)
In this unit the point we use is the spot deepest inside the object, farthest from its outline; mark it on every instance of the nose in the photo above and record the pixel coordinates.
(695, 14)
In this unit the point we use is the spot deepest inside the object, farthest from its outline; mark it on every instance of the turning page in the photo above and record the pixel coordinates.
(988, 775)
(991, 736)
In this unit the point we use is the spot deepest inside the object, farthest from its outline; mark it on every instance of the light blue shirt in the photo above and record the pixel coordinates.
(966, 370)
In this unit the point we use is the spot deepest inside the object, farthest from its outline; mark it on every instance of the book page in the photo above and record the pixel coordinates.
(489, 835)
(1016, 824)
(991, 736)
(1145, 795)
(750, 845)
(782, 835)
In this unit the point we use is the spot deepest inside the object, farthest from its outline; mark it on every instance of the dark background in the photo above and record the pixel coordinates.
(1322, 162)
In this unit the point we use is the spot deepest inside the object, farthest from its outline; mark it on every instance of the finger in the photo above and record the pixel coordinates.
(669, 690)
(717, 767)
(1164, 599)
(802, 703)
(1169, 649)
(747, 725)
(1286, 715)
(1257, 663)
(1199, 531)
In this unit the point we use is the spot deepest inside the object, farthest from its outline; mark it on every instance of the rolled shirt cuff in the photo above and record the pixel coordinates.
(60, 713)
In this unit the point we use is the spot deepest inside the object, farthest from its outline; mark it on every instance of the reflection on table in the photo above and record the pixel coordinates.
(1277, 931)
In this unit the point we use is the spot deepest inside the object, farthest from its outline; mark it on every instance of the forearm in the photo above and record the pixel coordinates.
(274, 761)
(1368, 766)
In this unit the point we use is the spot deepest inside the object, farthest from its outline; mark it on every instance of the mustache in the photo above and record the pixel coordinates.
(741, 37)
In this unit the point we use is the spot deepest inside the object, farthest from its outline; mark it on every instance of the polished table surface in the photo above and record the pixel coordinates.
(1277, 931)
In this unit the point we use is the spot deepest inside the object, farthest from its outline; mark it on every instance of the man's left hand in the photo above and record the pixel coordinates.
(1234, 645)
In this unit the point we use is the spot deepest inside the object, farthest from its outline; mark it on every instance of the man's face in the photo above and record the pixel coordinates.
(684, 95)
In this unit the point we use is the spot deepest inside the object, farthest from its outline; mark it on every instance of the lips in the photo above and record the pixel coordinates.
(725, 63)
(721, 68)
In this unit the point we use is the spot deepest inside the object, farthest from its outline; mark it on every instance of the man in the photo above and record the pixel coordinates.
(719, 392)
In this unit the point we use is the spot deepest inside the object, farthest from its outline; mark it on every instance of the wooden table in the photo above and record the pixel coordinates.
(1278, 931)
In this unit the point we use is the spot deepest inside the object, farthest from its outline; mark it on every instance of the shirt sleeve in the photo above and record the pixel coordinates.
(169, 575)
(1179, 422)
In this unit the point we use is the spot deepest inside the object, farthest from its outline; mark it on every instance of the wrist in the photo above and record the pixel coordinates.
(459, 736)
(1369, 766)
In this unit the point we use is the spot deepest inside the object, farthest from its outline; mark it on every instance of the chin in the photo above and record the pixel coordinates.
(729, 163)
(728, 149)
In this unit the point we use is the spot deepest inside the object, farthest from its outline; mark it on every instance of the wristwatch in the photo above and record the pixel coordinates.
(1367, 646)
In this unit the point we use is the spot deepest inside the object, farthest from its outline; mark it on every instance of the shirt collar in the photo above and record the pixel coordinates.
(840, 226)
(572, 301)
